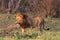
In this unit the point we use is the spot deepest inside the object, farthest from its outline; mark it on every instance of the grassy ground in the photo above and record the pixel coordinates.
(52, 34)
(44, 36)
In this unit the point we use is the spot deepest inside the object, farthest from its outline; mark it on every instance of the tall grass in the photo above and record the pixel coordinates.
(52, 34)
(45, 36)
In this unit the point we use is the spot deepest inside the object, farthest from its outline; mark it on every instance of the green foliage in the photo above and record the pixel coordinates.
(26, 4)
(17, 36)
(22, 9)
(1, 38)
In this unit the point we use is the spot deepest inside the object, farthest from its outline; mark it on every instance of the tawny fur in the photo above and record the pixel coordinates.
(32, 22)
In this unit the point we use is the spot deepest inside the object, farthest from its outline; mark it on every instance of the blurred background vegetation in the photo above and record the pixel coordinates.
(44, 8)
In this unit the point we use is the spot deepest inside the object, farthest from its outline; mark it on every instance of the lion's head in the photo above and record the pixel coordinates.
(19, 18)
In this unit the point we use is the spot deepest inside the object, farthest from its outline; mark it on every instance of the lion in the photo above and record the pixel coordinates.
(25, 22)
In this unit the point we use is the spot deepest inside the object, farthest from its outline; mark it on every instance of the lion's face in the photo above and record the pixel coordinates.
(19, 18)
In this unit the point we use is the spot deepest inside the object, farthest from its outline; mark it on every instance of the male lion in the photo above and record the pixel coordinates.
(25, 22)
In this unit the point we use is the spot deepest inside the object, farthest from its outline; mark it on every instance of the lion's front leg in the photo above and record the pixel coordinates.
(23, 30)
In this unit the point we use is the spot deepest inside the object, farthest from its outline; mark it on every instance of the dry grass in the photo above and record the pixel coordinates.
(52, 34)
